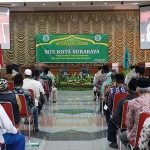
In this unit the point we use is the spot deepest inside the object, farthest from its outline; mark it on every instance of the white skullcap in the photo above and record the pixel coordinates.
(28, 72)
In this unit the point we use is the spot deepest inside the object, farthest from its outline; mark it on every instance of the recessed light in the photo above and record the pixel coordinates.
(105, 3)
(43, 4)
(73, 3)
(136, 3)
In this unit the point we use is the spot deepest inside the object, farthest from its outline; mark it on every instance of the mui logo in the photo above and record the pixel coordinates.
(46, 38)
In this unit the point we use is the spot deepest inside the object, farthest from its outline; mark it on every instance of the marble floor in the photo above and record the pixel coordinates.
(73, 123)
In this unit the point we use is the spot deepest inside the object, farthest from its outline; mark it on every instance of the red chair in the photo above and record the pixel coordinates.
(32, 94)
(46, 89)
(24, 111)
(142, 118)
(8, 109)
(117, 98)
(10, 85)
(46, 86)
(124, 112)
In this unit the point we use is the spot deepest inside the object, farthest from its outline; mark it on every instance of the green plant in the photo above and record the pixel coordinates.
(125, 72)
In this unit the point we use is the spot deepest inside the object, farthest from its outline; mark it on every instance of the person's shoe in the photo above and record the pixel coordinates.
(113, 145)
(94, 99)
(36, 130)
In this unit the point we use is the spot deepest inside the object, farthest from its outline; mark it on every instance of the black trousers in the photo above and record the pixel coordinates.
(112, 128)
(39, 107)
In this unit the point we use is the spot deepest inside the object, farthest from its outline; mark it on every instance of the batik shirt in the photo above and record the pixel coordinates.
(135, 106)
(48, 78)
(144, 141)
(111, 93)
(26, 93)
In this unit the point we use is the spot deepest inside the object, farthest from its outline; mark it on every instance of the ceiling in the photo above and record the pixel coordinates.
(53, 5)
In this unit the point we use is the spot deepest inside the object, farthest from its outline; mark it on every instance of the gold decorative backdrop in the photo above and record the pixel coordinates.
(121, 26)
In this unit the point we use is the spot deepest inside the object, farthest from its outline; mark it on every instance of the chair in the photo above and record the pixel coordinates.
(46, 86)
(142, 118)
(85, 71)
(10, 85)
(9, 111)
(117, 97)
(64, 72)
(123, 124)
(24, 111)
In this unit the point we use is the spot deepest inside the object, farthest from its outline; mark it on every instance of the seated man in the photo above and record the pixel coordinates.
(144, 141)
(42, 92)
(31, 84)
(135, 106)
(9, 76)
(115, 122)
(9, 134)
(48, 78)
(54, 89)
(10, 97)
(18, 81)
(120, 88)
(142, 72)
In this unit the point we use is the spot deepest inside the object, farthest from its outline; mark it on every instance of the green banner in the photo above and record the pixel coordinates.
(79, 48)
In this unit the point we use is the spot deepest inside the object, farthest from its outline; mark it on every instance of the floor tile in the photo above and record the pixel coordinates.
(73, 123)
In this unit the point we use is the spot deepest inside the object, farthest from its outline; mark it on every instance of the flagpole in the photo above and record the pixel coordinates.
(1, 60)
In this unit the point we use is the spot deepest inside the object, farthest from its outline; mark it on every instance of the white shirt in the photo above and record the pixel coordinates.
(40, 87)
(32, 84)
(129, 76)
(6, 125)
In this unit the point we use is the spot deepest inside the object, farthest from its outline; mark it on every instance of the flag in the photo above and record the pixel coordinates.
(1, 58)
(126, 58)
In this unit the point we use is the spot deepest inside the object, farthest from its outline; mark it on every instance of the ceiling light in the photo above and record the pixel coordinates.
(73, 3)
(43, 4)
(105, 3)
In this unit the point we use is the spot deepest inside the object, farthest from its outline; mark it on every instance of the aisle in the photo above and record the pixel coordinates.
(73, 123)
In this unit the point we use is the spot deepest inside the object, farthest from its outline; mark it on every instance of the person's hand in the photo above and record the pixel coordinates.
(103, 99)
(44, 96)
(18, 130)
